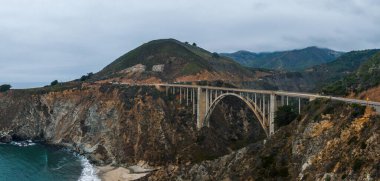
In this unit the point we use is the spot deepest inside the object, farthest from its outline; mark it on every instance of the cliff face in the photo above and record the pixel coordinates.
(332, 141)
(123, 125)
(127, 125)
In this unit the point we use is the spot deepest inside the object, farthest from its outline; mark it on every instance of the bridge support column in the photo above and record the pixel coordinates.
(187, 96)
(287, 100)
(207, 100)
(299, 105)
(272, 112)
(193, 99)
(261, 104)
(191, 94)
(201, 107)
(180, 95)
(282, 101)
(264, 107)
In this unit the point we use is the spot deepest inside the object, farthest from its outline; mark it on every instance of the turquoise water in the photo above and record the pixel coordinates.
(42, 163)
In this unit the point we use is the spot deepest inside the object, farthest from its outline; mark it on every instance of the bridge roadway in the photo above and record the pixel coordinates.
(280, 93)
(263, 103)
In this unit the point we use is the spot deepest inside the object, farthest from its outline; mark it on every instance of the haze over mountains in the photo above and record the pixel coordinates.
(291, 60)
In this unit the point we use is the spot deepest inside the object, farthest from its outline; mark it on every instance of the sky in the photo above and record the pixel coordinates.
(45, 40)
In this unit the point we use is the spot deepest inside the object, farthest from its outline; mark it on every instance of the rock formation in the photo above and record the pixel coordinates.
(129, 125)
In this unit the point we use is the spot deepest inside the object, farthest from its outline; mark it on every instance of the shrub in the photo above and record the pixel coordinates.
(357, 165)
(267, 161)
(5, 87)
(55, 82)
(86, 77)
(358, 110)
(215, 55)
(285, 115)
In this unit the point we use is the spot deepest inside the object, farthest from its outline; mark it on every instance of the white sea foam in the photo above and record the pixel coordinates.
(23, 143)
(89, 172)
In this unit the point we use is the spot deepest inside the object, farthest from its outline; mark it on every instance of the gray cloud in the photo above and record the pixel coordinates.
(43, 40)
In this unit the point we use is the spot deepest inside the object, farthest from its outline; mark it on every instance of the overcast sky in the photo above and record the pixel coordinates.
(44, 40)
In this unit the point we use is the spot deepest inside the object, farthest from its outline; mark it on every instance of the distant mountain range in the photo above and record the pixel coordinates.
(307, 70)
(311, 69)
(353, 71)
(362, 74)
(292, 60)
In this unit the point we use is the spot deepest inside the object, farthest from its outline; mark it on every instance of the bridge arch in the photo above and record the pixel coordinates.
(252, 106)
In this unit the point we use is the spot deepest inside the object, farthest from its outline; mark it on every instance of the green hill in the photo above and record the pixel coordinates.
(178, 58)
(326, 78)
(293, 60)
(344, 65)
(366, 75)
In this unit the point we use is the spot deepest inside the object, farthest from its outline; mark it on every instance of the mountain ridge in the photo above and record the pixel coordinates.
(316, 78)
(288, 60)
(179, 62)
(365, 77)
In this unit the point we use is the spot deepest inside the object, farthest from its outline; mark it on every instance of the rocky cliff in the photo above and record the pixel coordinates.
(331, 141)
(127, 125)
(123, 125)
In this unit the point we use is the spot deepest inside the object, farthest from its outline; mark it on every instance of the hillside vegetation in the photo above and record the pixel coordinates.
(179, 60)
(363, 78)
(293, 60)
(326, 77)
(328, 141)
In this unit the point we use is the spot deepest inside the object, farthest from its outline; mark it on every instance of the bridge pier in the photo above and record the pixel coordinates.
(193, 98)
(180, 95)
(264, 107)
(299, 105)
(201, 107)
(273, 107)
(282, 101)
(187, 96)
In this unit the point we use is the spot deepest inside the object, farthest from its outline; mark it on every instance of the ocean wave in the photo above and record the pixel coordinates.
(23, 143)
(89, 172)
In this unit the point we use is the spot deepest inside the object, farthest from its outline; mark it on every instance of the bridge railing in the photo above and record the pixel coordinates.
(280, 93)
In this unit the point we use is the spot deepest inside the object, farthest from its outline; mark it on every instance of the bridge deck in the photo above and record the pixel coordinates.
(280, 93)
(263, 103)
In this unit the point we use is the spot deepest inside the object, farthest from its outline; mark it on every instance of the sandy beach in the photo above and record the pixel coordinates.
(110, 173)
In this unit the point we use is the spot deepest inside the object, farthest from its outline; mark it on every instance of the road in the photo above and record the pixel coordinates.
(280, 93)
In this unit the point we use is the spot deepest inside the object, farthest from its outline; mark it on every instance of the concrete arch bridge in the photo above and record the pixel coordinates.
(263, 103)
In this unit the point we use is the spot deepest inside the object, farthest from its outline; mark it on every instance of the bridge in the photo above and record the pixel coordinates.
(263, 103)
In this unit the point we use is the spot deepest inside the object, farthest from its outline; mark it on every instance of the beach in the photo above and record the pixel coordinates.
(111, 173)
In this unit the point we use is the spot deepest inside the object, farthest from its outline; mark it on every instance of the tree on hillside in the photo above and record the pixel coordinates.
(86, 77)
(55, 82)
(215, 55)
(5, 87)
(285, 115)
(194, 44)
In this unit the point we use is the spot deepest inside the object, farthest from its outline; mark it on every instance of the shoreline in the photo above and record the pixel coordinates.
(112, 173)
(89, 171)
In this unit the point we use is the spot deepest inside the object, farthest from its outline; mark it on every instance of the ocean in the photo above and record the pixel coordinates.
(28, 161)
